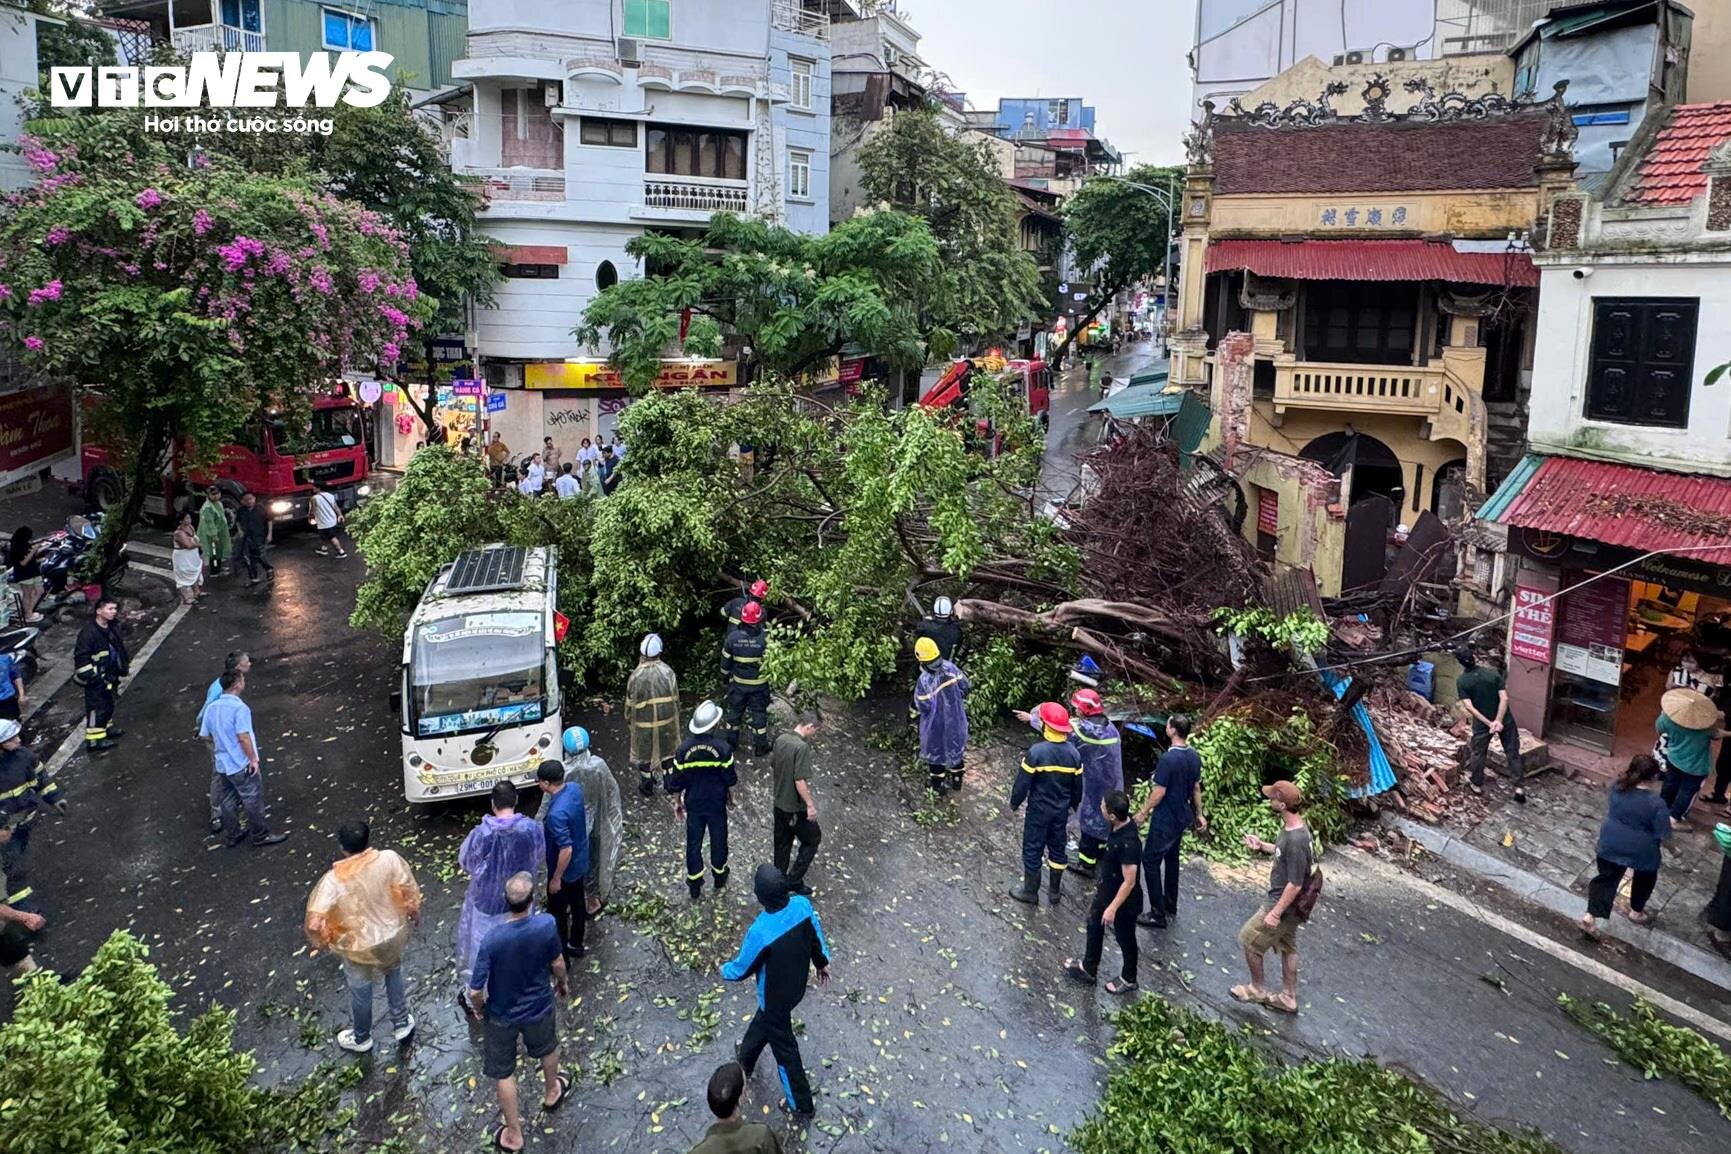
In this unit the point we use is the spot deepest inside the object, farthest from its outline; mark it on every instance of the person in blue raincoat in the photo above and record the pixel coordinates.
(940, 707)
(1096, 739)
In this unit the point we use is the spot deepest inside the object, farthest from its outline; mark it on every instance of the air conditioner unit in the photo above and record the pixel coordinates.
(630, 51)
(552, 95)
(1354, 58)
(1396, 55)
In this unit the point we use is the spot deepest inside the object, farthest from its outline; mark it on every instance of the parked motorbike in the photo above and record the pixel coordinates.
(20, 645)
(62, 559)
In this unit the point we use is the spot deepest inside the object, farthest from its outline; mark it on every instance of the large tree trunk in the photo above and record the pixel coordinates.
(1057, 357)
(146, 470)
(1062, 625)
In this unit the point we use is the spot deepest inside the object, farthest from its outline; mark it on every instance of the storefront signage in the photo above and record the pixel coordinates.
(1530, 633)
(852, 371)
(1686, 573)
(601, 375)
(371, 392)
(468, 388)
(1355, 216)
(1590, 630)
(35, 431)
(1268, 512)
(450, 351)
(495, 402)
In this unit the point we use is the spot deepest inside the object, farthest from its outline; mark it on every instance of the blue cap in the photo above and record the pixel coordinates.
(576, 739)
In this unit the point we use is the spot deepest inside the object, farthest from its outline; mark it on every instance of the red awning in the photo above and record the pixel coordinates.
(1372, 260)
(1640, 509)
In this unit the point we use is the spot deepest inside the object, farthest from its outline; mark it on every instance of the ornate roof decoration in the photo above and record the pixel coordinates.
(1560, 135)
(1434, 109)
(1199, 141)
(1298, 114)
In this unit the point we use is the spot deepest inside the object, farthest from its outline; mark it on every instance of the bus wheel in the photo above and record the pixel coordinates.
(107, 490)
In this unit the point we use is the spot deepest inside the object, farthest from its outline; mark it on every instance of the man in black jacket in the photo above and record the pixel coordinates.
(785, 939)
(1050, 782)
(942, 628)
(98, 664)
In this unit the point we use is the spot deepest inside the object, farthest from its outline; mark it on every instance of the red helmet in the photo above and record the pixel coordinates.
(1087, 703)
(1054, 717)
(759, 589)
(752, 614)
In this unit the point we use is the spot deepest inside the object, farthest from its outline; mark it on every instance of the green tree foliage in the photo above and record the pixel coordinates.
(66, 41)
(187, 297)
(1185, 1084)
(1121, 230)
(1657, 1048)
(846, 512)
(796, 300)
(917, 165)
(99, 1067)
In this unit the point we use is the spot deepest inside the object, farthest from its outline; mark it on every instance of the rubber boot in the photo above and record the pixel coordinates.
(646, 784)
(1029, 894)
(955, 781)
(1054, 882)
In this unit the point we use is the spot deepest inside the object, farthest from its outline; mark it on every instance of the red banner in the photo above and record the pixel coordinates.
(1530, 635)
(36, 429)
(1268, 511)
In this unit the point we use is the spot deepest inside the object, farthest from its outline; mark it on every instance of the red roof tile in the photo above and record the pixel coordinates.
(1626, 505)
(1672, 171)
(1372, 260)
(1402, 156)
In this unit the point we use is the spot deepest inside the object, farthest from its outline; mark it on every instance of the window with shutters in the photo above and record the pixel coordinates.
(1642, 362)
(802, 73)
(1360, 322)
(799, 175)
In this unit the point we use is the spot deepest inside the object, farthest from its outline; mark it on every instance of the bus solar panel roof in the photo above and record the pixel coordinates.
(488, 570)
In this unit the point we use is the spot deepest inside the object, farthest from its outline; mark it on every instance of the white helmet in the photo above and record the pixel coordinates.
(651, 646)
(705, 717)
(9, 729)
(943, 607)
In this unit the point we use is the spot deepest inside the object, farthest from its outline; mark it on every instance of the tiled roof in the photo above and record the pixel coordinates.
(1671, 172)
(1402, 156)
(1619, 505)
(1382, 260)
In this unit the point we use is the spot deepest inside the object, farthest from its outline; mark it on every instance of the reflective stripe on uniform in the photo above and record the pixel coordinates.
(1096, 740)
(696, 877)
(1051, 768)
(12, 793)
(750, 682)
(701, 764)
(936, 690)
(14, 899)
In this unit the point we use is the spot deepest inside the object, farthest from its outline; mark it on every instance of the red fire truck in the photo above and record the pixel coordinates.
(280, 464)
(1031, 380)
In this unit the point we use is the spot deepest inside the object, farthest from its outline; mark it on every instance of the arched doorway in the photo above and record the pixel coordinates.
(1373, 489)
(1448, 494)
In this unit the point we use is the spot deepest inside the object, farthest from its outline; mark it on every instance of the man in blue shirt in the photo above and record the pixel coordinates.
(228, 725)
(242, 661)
(510, 984)
(1174, 806)
(567, 855)
(11, 689)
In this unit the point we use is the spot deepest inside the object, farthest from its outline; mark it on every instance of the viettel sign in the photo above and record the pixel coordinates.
(601, 375)
(230, 80)
(36, 430)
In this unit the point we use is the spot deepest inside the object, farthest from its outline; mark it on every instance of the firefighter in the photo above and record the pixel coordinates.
(98, 664)
(1096, 739)
(1050, 781)
(25, 791)
(652, 711)
(759, 590)
(942, 628)
(941, 709)
(747, 687)
(701, 782)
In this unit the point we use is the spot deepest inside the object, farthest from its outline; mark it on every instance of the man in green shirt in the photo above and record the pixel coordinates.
(1687, 726)
(795, 807)
(1486, 702)
(732, 1134)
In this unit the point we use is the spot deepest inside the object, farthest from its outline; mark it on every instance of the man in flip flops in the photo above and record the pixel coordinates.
(1275, 925)
(517, 973)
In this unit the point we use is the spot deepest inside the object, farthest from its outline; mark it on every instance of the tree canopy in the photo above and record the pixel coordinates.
(1119, 229)
(913, 163)
(186, 297)
(794, 299)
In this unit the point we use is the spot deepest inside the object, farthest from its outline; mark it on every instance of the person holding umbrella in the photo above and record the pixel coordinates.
(1687, 726)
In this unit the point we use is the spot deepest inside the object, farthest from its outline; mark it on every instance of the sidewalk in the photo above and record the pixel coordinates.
(1543, 853)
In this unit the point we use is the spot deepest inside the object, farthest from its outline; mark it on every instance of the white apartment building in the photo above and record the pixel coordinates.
(593, 121)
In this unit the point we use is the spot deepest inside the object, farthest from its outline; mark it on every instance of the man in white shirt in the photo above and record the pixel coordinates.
(537, 476)
(529, 485)
(586, 453)
(566, 486)
(618, 447)
(327, 517)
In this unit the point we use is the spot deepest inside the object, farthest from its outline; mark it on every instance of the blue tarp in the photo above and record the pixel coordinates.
(1381, 772)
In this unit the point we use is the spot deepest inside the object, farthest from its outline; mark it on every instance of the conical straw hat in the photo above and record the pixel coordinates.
(1690, 708)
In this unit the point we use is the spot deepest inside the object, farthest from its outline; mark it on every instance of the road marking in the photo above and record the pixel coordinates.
(164, 574)
(75, 739)
(150, 550)
(1706, 1023)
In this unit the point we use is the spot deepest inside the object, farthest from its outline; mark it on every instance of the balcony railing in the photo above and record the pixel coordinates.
(694, 194)
(217, 38)
(792, 16)
(508, 185)
(1359, 388)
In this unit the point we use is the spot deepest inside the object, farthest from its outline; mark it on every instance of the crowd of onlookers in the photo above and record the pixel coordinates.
(594, 471)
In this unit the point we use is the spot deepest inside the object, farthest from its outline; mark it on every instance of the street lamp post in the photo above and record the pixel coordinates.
(1167, 197)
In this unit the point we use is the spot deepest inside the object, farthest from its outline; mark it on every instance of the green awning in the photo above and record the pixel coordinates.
(1136, 401)
(1149, 377)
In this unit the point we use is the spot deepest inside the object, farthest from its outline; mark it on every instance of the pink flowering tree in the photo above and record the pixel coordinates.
(182, 296)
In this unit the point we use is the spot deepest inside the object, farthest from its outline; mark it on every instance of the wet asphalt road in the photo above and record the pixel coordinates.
(948, 1026)
(1074, 431)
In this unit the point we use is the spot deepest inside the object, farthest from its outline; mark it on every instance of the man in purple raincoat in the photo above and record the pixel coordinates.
(505, 843)
(940, 707)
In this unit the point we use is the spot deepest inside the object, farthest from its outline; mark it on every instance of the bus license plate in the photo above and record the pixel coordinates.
(470, 777)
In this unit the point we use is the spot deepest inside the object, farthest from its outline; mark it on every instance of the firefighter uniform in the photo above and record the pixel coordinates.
(652, 711)
(98, 664)
(946, 632)
(1050, 782)
(731, 611)
(1097, 741)
(747, 687)
(25, 791)
(703, 771)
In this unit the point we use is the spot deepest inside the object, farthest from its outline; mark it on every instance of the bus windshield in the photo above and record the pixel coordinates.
(477, 671)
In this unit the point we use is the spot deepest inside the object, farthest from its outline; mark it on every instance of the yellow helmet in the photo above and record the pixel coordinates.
(925, 650)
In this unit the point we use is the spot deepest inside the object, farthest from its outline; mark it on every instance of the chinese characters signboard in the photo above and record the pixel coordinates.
(1530, 634)
(1363, 216)
(601, 375)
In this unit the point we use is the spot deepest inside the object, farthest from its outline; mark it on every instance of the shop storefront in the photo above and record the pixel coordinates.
(1622, 590)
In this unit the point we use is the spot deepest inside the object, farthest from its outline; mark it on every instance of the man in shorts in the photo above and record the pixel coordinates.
(327, 518)
(519, 969)
(1275, 925)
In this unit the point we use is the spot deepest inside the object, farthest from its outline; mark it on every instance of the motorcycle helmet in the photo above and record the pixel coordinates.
(576, 739)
